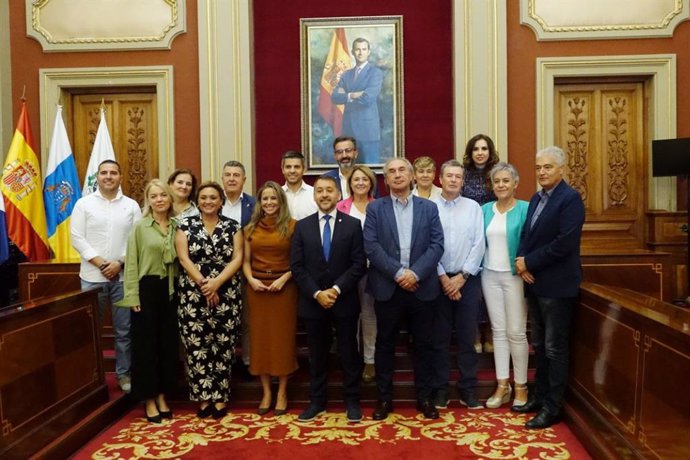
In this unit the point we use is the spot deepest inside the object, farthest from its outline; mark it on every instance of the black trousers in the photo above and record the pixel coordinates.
(319, 341)
(420, 319)
(154, 341)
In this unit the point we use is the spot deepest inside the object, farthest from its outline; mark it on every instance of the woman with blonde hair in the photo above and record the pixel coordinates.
(424, 175)
(271, 294)
(149, 277)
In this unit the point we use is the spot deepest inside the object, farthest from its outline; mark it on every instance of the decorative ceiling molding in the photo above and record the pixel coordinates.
(110, 25)
(596, 20)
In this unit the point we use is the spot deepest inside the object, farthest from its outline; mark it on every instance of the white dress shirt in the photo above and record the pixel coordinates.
(233, 210)
(100, 227)
(301, 203)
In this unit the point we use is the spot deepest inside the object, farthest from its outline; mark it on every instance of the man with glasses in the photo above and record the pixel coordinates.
(345, 154)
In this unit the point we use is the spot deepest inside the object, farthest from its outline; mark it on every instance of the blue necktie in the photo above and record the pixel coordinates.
(326, 237)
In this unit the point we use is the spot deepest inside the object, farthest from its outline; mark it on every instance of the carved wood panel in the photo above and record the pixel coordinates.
(600, 125)
(131, 119)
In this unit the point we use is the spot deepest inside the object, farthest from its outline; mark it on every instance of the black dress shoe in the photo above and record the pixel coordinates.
(205, 412)
(427, 408)
(311, 412)
(532, 405)
(218, 414)
(542, 420)
(382, 409)
(154, 418)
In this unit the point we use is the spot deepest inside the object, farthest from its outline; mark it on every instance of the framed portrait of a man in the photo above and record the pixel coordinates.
(352, 86)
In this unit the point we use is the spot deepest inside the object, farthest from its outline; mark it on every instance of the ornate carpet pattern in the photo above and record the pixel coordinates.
(460, 434)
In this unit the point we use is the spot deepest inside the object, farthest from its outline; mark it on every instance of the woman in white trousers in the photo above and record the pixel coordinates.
(503, 288)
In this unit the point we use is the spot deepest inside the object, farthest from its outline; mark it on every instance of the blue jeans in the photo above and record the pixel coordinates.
(461, 314)
(111, 292)
(550, 319)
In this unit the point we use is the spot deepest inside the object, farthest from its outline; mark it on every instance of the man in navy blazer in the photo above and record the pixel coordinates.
(358, 89)
(403, 240)
(548, 260)
(239, 206)
(327, 262)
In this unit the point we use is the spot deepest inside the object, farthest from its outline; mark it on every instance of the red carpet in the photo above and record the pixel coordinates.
(496, 434)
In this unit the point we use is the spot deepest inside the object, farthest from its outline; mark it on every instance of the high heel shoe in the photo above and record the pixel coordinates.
(520, 402)
(280, 411)
(219, 413)
(205, 412)
(500, 396)
(165, 413)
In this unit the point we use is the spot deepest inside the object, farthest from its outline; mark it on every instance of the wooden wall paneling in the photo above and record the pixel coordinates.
(601, 127)
(131, 119)
(667, 231)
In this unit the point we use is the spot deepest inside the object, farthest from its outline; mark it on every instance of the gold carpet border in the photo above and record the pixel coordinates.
(471, 429)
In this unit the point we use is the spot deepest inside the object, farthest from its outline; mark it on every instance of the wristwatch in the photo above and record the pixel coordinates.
(466, 275)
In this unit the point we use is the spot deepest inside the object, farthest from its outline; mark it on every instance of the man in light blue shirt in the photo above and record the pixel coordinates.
(458, 272)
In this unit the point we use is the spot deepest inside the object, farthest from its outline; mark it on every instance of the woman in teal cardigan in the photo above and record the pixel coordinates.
(502, 287)
(149, 276)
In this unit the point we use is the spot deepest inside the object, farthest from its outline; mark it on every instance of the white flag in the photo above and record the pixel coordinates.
(102, 150)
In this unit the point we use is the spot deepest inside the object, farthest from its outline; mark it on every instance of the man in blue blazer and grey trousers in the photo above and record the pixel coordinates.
(548, 260)
(403, 240)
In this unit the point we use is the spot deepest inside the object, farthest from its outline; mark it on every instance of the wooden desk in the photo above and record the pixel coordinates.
(630, 362)
(51, 372)
(48, 278)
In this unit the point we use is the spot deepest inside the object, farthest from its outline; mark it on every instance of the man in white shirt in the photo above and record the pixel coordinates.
(458, 272)
(100, 226)
(300, 195)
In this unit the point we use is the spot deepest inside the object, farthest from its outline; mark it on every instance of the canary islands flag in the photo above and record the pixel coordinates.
(21, 190)
(60, 191)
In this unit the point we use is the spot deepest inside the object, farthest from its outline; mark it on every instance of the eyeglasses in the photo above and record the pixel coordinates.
(347, 150)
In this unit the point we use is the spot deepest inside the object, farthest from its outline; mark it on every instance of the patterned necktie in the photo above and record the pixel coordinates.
(326, 237)
(357, 71)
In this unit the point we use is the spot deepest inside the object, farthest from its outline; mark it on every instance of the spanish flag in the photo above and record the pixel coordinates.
(337, 62)
(21, 191)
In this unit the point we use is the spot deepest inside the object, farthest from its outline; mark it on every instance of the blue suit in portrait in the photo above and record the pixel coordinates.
(361, 118)
(382, 247)
(551, 248)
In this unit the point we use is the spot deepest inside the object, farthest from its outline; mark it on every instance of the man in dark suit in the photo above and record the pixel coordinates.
(548, 260)
(327, 262)
(358, 90)
(403, 240)
(239, 206)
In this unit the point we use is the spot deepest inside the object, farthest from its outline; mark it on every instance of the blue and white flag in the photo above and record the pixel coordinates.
(102, 150)
(60, 191)
(4, 244)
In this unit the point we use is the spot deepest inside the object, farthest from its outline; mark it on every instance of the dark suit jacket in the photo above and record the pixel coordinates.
(382, 247)
(311, 272)
(552, 247)
(361, 116)
(248, 203)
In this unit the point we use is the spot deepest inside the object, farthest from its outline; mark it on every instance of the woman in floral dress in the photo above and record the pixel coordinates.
(209, 247)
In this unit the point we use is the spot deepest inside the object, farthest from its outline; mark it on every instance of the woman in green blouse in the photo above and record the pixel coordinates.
(149, 275)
